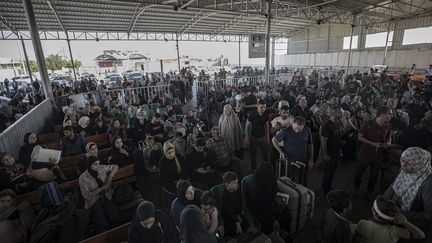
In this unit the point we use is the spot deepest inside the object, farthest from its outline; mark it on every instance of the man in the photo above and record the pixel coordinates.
(374, 136)
(330, 137)
(297, 145)
(323, 113)
(6, 84)
(219, 150)
(283, 120)
(72, 143)
(231, 204)
(155, 128)
(257, 133)
(172, 126)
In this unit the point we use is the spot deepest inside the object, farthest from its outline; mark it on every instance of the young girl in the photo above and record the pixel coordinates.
(387, 225)
(210, 212)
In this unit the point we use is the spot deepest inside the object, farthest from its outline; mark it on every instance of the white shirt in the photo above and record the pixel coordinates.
(284, 123)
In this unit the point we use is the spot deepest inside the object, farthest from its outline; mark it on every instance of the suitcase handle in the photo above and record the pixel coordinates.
(288, 181)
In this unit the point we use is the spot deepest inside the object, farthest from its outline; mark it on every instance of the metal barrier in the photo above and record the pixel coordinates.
(133, 95)
(244, 81)
(35, 120)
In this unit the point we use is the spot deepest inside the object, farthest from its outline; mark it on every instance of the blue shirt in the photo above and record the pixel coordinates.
(295, 144)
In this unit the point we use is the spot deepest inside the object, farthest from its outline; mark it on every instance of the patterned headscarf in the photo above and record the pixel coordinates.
(407, 185)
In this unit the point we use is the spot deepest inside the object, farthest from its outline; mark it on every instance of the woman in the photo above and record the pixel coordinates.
(116, 131)
(84, 126)
(171, 168)
(146, 161)
(150, 225)
(261, 199)
(30, 141)
(11, 173)
(412, 189)
(186, 195)
(95, 186)
(140, 123)
(119, 155)
(92, 150)
(192, 228)
(231, 130)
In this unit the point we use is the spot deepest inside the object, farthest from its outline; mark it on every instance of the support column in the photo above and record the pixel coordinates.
(28, 8)
(267, 45)
(350, 49)
(71, 57)
(178, 53)
(239, 52)
(26, 59)
(273, 52)
(386, 44)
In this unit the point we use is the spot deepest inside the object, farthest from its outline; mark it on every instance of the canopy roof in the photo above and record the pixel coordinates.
(134, 19)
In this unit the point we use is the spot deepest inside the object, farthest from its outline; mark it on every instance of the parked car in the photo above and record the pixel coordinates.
(134, 76)
(109, 75)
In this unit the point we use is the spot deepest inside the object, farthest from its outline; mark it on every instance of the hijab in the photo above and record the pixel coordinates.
(167, 145)
(137, 233)
(231, 129)
(88, 163)
(407, 185)
(181, 194)
(27, 148)
(83, 121)
(88, 146)
(192, 228)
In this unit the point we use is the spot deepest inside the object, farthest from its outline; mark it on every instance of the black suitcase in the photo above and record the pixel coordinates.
(295, 170)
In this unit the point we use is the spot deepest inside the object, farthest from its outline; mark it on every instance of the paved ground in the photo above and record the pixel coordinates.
(343, 180)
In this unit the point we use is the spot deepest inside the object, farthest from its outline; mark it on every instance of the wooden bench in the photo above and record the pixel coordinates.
(101, 140)
(58, 128)
(116, 235)
(124, 175)
(48, 138)
(71, 164)
(55, 146)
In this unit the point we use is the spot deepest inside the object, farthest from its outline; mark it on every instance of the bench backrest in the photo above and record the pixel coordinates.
(101, 140)
(49, 137)
(75, 160)
(58, 128)
(116, 235)
(124, 175)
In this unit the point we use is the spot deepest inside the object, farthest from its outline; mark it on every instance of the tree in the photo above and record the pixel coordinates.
(33, 66)
(55, 62)
(77, 64)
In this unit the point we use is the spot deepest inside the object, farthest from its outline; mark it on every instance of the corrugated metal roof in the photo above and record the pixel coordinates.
(214, 17)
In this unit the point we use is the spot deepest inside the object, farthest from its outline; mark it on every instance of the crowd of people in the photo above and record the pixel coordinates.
(199, 161)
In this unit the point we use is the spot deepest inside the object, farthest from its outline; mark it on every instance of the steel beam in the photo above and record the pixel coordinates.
(56, 15)
(37, 46)
(267, 43)
(26, 59)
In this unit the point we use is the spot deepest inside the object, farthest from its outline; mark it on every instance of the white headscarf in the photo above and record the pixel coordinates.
(231, 129)
(83, 121)
(407, 185)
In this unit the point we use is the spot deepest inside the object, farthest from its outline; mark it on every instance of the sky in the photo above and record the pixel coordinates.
(86, 51)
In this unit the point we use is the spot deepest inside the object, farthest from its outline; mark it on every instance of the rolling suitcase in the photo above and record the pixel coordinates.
(295, 170)
(301, 203)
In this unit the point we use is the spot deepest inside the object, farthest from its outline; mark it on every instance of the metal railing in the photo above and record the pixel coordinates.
(133, 95)
(35, 120)
(245, 81)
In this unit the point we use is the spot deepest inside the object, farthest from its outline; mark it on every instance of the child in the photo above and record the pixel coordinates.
(387, 225)
(336, 227)
(210, 212)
